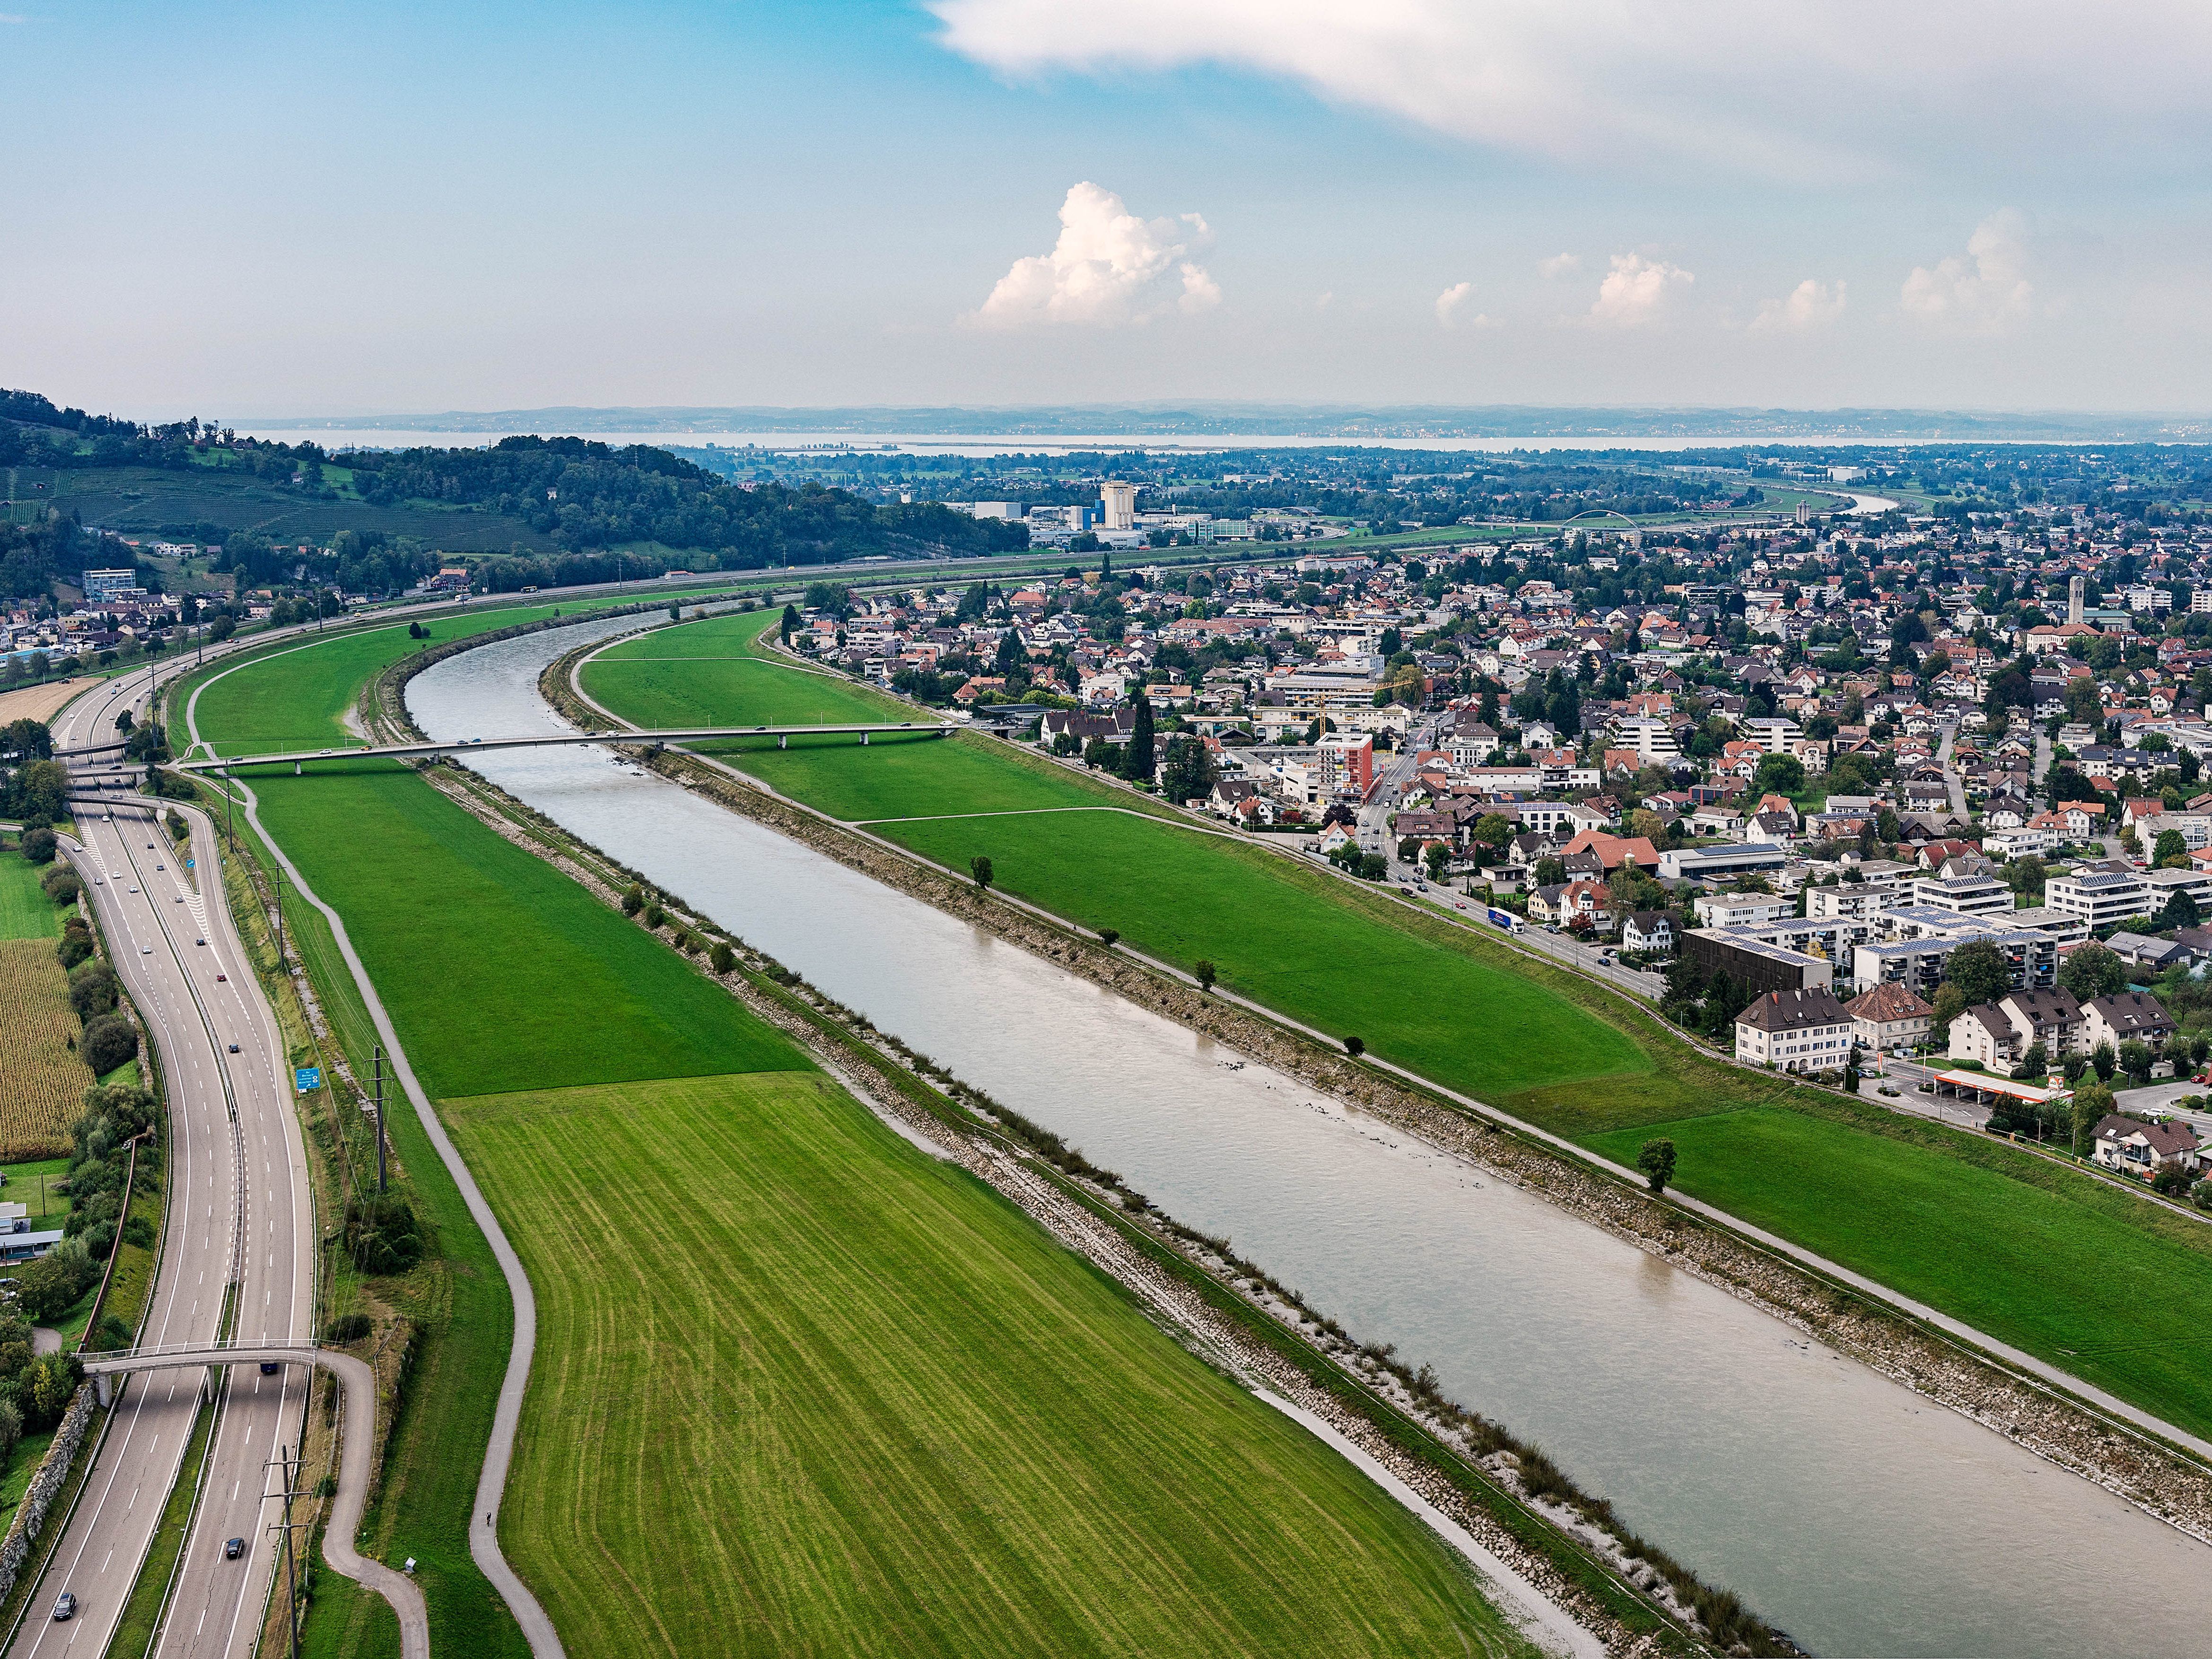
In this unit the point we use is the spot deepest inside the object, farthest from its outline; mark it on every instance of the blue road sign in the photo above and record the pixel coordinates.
(308, 1077)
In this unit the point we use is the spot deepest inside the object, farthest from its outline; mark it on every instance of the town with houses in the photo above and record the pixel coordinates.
(1782, 776)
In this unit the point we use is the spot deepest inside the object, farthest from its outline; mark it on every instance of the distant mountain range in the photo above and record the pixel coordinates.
(1347, 422)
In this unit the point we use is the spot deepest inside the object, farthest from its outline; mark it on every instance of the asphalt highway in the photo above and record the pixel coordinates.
(240, 1211)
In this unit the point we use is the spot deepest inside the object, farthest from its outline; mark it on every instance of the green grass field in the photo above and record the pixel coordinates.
(297, 696)
(894, 1417)
(499, 971)
(26, 912)
(833, 1396)
(2089, 1278)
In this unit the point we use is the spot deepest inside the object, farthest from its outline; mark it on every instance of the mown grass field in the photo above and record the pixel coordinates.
(500, 972)
(297, 696)
(923, 1427)
(26, 912)
(2087, 1277)
(864, 1406)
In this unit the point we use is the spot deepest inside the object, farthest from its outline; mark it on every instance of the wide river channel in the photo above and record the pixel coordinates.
(1856, 1516)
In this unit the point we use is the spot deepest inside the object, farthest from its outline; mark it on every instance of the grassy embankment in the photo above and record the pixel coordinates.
(942, 1431)
(2046, 1259)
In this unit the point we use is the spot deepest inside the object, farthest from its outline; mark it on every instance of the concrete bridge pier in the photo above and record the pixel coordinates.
(864, 740)
(297, 768)
(783, 741)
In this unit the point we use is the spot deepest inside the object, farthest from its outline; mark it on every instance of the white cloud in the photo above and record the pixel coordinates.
(1635, 291)
(1449, 301)
(1559, 264)
(1984, 291)
(1723, 80)
(1108, 267)
(1810, 305)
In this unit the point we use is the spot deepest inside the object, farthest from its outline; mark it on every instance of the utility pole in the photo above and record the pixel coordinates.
(379, 1118)
(287, 1526)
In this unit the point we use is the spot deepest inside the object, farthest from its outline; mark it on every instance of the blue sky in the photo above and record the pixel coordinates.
(243, 210)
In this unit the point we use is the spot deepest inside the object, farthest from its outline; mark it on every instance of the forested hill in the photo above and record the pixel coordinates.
(585, 494)
(543, 509)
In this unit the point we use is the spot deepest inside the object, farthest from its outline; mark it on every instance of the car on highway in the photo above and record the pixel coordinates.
(223, 979)
(64, 1606)
(233, 1548)
(270, 1367)
(233, 1048)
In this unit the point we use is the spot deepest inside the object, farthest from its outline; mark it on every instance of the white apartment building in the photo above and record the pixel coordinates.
(2100, 898)
(1736, 909)
(1795, 1031)
(1969, 896)
(1852, 901)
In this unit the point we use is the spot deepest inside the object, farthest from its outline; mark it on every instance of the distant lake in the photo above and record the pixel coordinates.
(973, 444)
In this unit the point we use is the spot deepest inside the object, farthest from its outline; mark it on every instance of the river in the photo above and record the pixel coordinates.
(1854, 1514)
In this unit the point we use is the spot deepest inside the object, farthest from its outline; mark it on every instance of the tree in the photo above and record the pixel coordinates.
(1980, 972)
(1137, 766)
(2093, 1103)
(1549, 872)
(2170, 851)
(979, 868)
(1656, 1160)
(1190, 773)
(2104, 1062)
(1355, 1047)
(2091, 971)
(1109, 937)
(1851, 1071)
(1950, 1003)
(109, 1040)
(792, 621)
(2034, 1063)
(1493, 830)
(47, 1386)
(1435, 856)
(722, 959)
(2180, 910)
(2135, 1060)
(1778, 775)
(37, 846)
(1205, 971)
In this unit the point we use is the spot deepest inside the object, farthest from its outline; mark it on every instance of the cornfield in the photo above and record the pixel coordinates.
(42, 1082)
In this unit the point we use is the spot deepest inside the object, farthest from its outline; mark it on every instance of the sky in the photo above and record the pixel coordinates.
(238, 211)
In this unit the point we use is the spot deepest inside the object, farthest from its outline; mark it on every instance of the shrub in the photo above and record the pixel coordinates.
(381, 1232)
(94, 990)
(109, 1040)
(347, 1327)
(112, 1333)
(39, 845)
(139, 1230)
(75, 942)
(11, 1428)
(632, 902)
(654, 915)
(52, 1285)
(62, 884)
(1109, 936)
(47, 1386)
(1355, 1045)
(721, 958)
